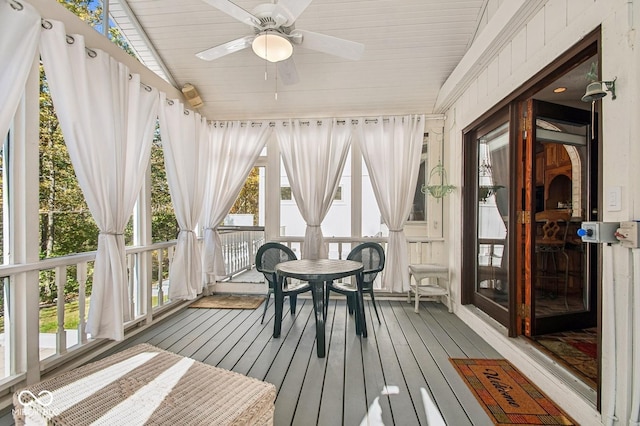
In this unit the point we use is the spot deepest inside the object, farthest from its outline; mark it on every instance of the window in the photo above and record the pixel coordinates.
(248, 208)
(335, 223)
(285, 193)
(338, 194)
(419, 207)
(3, 220)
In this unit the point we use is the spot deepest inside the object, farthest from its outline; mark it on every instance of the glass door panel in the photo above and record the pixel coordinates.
(493, 215)
(563, 290)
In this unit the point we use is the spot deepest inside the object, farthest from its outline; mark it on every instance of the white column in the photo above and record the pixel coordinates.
(24, 236)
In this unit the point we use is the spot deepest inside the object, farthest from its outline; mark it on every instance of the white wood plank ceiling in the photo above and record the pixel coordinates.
(411, 47)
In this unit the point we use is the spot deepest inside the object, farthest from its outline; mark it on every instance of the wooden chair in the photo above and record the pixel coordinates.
(551, 244)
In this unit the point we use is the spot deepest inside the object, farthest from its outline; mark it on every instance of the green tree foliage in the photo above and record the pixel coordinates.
(247, 201)
(66, 224)
(1, 197)
(164, 226)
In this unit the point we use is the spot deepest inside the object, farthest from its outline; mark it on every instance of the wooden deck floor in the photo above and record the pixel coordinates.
(384, 375)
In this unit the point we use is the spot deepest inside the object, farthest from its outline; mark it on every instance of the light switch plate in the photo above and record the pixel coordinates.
(614, 198)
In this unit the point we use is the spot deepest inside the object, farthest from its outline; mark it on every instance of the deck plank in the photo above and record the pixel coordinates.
(225, 341)
(402, 408)
(331, 405)
(472, 409)
(461, 332)
(408, 363)
(291, 331)
(310, 397)
(374, 377)
(204, 332)
(290, 385)
(407, 350)
(434, 381)
(150, 333)
(183, 327)
(251, 355)
(355, 399)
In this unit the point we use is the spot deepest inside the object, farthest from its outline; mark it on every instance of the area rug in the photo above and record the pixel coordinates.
(577, 350)
(506, 395)
(225, 301)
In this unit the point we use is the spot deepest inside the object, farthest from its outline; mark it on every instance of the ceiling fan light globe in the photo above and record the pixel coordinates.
(272, 47)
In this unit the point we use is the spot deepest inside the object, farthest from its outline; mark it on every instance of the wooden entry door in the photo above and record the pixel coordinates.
(558, 190)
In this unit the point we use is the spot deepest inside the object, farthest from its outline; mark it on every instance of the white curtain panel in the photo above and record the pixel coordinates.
(107, 120)
(314, 153)
(234, 148)
(391, 150)
(19, 37)
(185, 140)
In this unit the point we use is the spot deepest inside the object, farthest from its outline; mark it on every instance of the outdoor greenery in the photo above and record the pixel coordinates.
(66, 225)
(247, 201)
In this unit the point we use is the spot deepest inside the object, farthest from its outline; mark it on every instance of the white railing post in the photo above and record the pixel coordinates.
(131, 287)
(160, 277)
(61, 335)
(81, 276)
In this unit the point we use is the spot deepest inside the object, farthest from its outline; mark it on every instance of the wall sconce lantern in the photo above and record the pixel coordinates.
(598, 90)
(192, 95)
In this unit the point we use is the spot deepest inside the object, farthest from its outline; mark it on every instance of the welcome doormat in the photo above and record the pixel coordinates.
(506, 395)
(226, 301)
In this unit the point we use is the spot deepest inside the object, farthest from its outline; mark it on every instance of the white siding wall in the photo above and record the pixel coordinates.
(502, 58)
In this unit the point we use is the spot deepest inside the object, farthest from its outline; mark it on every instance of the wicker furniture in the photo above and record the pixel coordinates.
(423, 271)
(146, 385)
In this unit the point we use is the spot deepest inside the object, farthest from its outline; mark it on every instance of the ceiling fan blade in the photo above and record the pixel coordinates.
(225, 49)
(287, 71)
(234, 11)
(328, 44)
(294, 8)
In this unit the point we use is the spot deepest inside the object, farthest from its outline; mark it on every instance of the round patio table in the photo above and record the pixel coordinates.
(318, 273)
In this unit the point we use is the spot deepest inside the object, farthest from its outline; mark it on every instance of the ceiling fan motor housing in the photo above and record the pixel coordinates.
(272, 16)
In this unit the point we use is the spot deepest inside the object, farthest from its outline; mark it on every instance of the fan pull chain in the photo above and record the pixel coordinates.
(276, 94)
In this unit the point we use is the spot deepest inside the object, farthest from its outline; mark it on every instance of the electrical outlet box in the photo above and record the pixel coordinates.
(628, 234)
(599, 232)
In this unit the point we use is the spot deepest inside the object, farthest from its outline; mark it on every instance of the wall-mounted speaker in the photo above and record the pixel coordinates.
(192, 96)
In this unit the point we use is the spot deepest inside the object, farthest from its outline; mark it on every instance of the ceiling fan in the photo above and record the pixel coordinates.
(275, 34)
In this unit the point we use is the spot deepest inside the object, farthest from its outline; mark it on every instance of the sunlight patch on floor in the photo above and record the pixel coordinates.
(374, 415)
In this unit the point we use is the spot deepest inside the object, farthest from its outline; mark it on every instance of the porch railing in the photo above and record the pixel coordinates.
(419, 249)
(239, 247)
(148, 285)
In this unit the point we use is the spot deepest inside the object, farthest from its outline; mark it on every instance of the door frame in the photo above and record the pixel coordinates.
(470, 210)
(512, 318)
